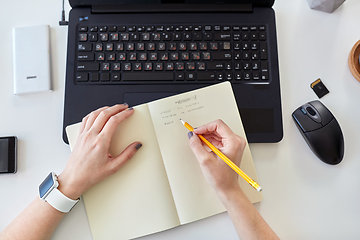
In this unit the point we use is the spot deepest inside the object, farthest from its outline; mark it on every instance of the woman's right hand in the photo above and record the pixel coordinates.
(220, 176)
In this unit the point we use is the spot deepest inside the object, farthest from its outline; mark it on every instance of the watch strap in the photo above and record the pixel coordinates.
(59, 201)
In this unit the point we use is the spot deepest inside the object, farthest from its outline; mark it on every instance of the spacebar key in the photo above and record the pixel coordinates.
(146, 76)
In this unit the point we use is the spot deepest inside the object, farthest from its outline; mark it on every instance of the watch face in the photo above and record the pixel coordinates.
(46, 185)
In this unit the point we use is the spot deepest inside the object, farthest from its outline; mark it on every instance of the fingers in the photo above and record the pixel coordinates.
(114, 121)
(89, 119)
(104, 116)
(125, 156)
(196, 146)
(217, 127)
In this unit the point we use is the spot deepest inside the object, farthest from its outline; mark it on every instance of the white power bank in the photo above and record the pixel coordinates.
(32, 71)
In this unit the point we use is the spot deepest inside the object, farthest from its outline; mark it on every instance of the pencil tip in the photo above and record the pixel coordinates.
(182, 121)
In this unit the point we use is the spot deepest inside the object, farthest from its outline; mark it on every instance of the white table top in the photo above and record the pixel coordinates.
(303, 197)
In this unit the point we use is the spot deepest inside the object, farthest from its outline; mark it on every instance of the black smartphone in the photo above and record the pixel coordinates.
(8, 154)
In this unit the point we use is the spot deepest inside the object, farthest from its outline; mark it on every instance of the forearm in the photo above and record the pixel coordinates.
(38, 221)
(247, 221)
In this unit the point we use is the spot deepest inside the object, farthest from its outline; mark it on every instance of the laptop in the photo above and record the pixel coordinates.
(136, 51)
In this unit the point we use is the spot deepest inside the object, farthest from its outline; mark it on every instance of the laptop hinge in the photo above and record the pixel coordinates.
(171, 8)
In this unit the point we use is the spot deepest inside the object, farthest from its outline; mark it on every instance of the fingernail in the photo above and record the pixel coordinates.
(190, 134)
(130, 108)
(125, 104)
(139, 145)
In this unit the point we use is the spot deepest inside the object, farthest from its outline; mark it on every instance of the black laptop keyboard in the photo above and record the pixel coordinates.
(174, 53)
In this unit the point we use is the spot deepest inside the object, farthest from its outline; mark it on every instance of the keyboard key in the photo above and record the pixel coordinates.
(98, 46)
(127, 66)
(85, 56)
(147, 76)
(247, 75)
(208, 36)
(169, 66)
(88, 66)
(115, 76)
(185, 56)
(193, 46)
(104, 77)
(153, 56)
(206, 55)
(102, 28)
(104, 37)
(238, 76)
(256, 75)
(159, 66)
(180, 66)
(229, 76)
(201, 66)
(114, 36)
(137, 66)
(190, 76)
(83, 37)
(180, 76)
(105, 66)
(112, 28)
(221, 55)
(205, 76)
(220, 76)
(197, 36)
(214, 46)
(85, 46)
(215, 65)
(100, 56)
(125, 37)
(93, 37)
(151, 46)
(94, 77)
(176, 36)
(119, 47)
(226, 28)
(174, 56)
(262, 36)
(116, 67)
(122, 56)
(148, 66)
(145, 36)
(187, 36)
(83, 29)
(222, 36)
(190, 65)
(82, 77)
(263, 51)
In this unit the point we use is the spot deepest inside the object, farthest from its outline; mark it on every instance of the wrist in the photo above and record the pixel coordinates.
(68, 189)
(227, 194)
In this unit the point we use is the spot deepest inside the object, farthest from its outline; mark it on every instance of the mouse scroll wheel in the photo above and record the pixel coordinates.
(311, 111)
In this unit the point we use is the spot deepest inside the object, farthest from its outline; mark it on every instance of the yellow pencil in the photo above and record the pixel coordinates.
(225, 158)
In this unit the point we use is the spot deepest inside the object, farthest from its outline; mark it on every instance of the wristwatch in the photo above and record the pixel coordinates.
(49, 193)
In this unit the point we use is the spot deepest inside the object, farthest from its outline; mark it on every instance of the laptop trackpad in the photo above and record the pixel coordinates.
(134, 99)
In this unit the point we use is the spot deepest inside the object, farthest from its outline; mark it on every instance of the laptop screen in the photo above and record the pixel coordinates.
(255, 3)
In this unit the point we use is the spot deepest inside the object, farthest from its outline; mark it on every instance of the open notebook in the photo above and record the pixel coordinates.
(162, 186)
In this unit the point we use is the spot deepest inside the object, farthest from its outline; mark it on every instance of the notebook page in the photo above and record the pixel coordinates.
(136, 200)
(193, 196)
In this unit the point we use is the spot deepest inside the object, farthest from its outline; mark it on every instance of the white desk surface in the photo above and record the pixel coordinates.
(303, 197)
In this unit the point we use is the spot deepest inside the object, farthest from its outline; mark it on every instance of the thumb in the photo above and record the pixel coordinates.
(196, 146)
(125, 156)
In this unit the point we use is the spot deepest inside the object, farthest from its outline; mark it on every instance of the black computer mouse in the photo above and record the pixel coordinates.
(321, 131)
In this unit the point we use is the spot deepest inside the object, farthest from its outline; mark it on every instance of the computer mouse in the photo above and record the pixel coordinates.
(321, 131)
